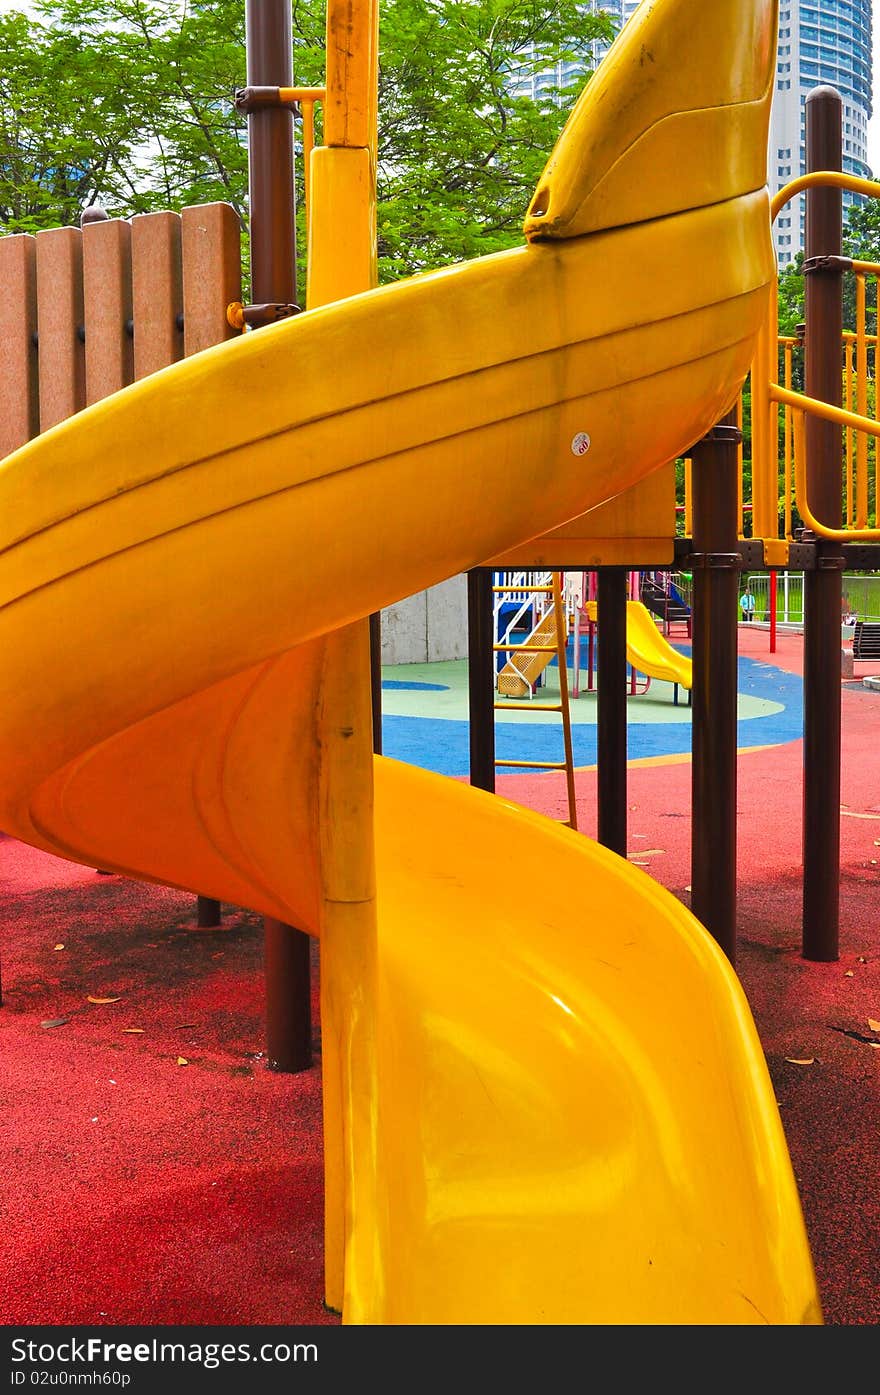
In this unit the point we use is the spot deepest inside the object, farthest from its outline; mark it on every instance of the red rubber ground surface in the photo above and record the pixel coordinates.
(165, 1175)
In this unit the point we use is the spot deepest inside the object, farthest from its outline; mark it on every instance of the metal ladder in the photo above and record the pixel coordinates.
(559, 646)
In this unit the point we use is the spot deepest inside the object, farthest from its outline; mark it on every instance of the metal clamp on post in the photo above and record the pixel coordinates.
(827, 264)
(248, 99)
(716, 561)
(824, 561)
(257, 316)
(730, 435)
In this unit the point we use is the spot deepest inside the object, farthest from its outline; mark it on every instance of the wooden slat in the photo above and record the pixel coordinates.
(108, 307)
(19, 406)
(157, 291)
(211, 273)
(59, 324)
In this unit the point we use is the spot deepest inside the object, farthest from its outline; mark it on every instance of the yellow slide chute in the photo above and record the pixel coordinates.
(559, 1116)
(646, 648)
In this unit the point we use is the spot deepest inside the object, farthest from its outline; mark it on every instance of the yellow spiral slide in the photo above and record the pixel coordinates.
(562, 1116)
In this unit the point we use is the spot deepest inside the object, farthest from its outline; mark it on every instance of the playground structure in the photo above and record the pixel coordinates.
(218, 707)
(659, 593)
(647, 651)
(527, 638)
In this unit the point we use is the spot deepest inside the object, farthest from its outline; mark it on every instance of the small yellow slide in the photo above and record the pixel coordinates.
(647, 649)
(555, 1108)
(649, 652)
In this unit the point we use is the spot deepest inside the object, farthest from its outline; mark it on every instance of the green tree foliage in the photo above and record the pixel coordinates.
(459, 154)
(130, 103)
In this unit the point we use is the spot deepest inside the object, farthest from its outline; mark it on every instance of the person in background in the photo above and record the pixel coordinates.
(747, 603)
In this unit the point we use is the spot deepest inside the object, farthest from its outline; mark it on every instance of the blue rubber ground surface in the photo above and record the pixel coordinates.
(442, 745)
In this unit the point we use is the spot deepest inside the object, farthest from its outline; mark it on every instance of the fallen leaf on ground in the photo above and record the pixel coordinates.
(800, 1060)
(182, 1061)
(58, 946)
(104, 1000)
(849, 974)
(874, 1024)
(55, 1022)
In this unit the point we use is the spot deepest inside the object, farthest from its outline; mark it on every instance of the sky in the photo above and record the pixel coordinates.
(873, 125)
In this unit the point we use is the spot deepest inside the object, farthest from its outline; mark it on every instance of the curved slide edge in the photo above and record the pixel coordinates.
(650, 652)
(647, 649)
(577, 1066)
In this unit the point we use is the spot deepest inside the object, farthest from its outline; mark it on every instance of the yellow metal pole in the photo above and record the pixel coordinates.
(561, 651)
(342, 262)
(765, 448)
(787, 462)
(848, 435)
(875, 339)
(308, 117)
(861, 404)
(739, 469)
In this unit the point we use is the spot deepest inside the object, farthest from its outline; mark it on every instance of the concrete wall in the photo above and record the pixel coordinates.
(428, 626)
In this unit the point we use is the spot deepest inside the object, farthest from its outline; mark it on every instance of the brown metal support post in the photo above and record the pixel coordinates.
(207, 912)
(823, 587)
(269, 38)
(611, 596)
(481, 678)
(716, 565)
(376, 678)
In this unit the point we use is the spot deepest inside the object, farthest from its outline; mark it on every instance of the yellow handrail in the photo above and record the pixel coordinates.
(768, 397)
(801, 405)
(305, 98)
(829, 179)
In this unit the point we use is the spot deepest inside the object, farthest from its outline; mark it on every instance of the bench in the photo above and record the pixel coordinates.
(866, 640)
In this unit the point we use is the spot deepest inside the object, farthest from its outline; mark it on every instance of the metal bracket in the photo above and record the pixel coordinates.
(824, 561)
(827, 264)
(716, 561)
(257, 316)
(248, 99)
(730, 435)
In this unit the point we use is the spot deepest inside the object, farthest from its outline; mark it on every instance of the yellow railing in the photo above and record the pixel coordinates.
(802, 406)
(769, 394)
(305, 99)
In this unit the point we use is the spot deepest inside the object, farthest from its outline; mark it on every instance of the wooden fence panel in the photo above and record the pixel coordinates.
(211, 273)
(157, 291)
(60, 325)
(108, 307)
(19, 399)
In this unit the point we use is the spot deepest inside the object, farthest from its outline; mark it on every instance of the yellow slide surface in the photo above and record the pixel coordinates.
(647, 649)
(650, 652)
(558, 1116)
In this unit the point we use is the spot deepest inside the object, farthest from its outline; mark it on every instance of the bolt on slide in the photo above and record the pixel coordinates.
(546, 1107)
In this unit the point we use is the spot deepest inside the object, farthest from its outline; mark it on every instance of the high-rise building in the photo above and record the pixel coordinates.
(820, 42)
(536, 84)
